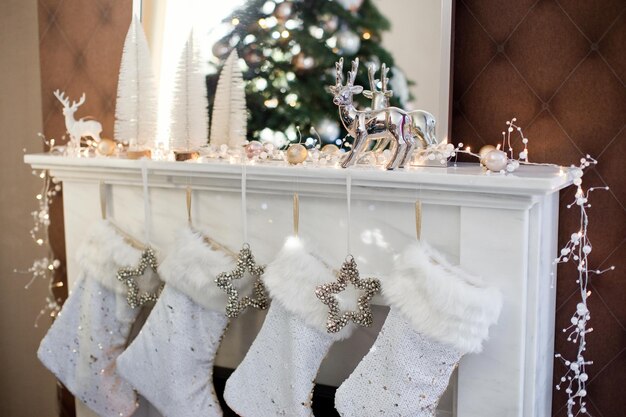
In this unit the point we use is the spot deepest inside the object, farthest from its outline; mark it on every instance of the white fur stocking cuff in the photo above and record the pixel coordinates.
(105, 251)
(440, 300)
(191, 268)
(291, 280)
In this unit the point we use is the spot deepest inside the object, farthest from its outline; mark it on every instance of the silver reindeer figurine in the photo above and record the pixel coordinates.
(383, 123)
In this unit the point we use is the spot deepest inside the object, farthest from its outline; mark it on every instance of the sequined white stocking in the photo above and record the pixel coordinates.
(277, 375)
(404, 374)
(92, 329)
(170, 362)
(438, 313)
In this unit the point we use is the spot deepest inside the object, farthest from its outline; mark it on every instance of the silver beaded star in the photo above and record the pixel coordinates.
(127, 277)
(348, 274)
(245, 262)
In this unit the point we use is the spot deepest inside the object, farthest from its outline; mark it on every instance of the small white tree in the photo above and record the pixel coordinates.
(230, 118)
(136, 106)
(189, 127)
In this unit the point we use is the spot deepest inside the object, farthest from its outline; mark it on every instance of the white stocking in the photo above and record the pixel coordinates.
(170, 362)
(277, 375)
(93, 327)
(438, 313)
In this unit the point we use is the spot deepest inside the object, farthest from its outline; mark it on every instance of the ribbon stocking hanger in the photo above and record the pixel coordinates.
(103, 192)
(349, 212)
(244, 212)
(147, 217)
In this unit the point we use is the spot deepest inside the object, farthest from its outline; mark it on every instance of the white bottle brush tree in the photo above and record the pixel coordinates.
(229, 121)
(136, 107)
(189, 129)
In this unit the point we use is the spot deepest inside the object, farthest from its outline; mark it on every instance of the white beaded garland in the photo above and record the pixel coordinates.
(577, 249)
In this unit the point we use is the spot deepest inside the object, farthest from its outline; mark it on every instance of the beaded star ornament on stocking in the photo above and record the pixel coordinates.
(227, 282)
(171, 361)
(277, 374)
(92, 329)
(328, 294)
(438, 313)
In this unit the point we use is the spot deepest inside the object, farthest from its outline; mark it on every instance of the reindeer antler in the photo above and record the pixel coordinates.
(339, 68)
(371, 71)
(352, 72)
(79, 103)
(383, 75)
(61, 97)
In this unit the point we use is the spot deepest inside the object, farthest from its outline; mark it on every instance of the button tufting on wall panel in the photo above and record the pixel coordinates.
(562, 72)
(80, 49)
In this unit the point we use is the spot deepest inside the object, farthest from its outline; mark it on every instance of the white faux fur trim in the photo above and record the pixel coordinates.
(192, 266)
(103, 252)
(291, 279)
(441, 300)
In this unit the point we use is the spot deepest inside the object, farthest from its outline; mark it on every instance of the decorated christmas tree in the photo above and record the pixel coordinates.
(288, 50)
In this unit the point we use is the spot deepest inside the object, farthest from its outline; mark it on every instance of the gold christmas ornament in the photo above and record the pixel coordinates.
(330, 149)
(296, 154)
(485, 150)
(106, 147)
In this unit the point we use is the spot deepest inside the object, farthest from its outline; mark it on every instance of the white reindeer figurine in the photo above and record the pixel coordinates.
(388, 123)
(423, 123)
(81, 128)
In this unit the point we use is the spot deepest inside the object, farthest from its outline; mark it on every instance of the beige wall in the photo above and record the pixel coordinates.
(26, 388)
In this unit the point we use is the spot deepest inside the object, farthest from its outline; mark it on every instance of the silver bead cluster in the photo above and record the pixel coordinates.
(326, 293)
(236, 305)
(127, 277)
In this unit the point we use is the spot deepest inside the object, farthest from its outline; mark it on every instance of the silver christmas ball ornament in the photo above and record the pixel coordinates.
(253, 149)
(350, 5)
(220, 49)
(284, 11)
(348, 42)
(330, 23)
(327, 129)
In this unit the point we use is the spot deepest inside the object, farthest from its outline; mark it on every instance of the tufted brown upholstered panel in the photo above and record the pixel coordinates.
(80, 47)
(560, 68)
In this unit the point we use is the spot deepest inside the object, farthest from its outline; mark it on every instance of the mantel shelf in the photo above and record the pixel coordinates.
(465, 181)
(500, 227)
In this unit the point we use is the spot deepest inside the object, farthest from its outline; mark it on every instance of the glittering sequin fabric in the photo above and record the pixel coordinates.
(171, 361)
(83, 343)
(276, 376)
(404, 374)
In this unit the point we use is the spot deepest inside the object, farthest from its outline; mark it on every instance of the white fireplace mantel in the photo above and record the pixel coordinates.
(502, 227)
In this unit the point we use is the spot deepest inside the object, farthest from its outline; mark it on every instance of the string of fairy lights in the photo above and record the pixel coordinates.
(44, 268)
(577, 250)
